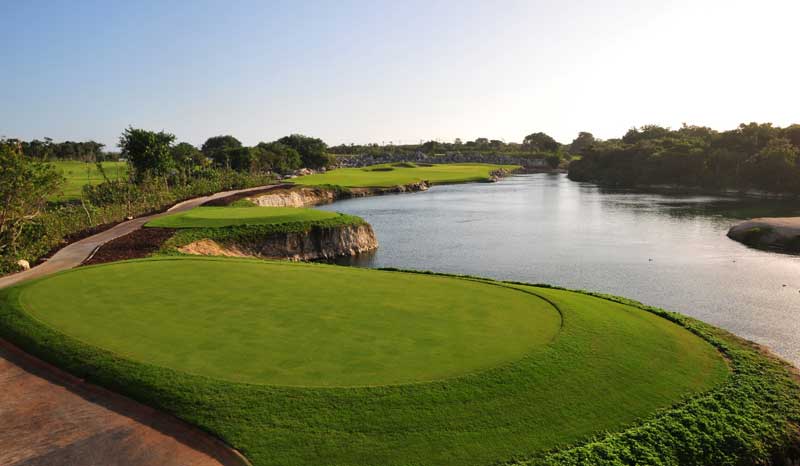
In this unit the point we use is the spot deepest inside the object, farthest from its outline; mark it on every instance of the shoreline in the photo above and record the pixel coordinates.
(694, 190)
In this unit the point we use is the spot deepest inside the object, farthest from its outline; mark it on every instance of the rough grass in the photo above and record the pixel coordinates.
(78, 174)
(386, 175)
(612, 365)
(219, 217)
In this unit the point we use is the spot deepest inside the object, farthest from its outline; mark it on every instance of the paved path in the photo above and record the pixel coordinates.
(49, 418)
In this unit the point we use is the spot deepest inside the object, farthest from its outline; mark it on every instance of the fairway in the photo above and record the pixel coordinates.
(219, 217)
(381, 176)
(308, 364)
(78, 174)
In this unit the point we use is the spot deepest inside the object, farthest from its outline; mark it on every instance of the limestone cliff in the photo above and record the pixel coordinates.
(317, 243)
(305, 196)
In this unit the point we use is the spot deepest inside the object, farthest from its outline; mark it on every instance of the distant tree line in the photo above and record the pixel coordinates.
(753, 156)
(46, 149)
(158, 154)
(535, 149)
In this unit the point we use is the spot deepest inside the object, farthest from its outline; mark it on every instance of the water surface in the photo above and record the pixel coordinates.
(662, 249)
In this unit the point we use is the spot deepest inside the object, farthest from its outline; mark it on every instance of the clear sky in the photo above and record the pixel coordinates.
(400, 71)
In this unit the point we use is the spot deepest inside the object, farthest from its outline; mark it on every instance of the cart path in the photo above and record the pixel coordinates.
(50, 418)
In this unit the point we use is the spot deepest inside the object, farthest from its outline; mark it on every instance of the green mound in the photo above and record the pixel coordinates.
(260, 323)
(496, 378)
(381, 176)
(219, 217)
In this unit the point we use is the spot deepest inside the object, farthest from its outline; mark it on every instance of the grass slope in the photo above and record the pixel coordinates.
(612, 365)
(381, 176)
(219, 217)
(78, 174)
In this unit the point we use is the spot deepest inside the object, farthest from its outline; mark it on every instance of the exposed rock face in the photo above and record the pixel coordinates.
(306, 196)
(769, 233)
(295, 197)
(315, 244)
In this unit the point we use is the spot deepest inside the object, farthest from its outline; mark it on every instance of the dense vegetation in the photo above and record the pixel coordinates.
(31, 225)
(282, 156)
(580, 384)
(403, 173)
(751, 157)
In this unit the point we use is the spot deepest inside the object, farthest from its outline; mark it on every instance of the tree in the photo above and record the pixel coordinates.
(25, 186)
(580, 143)
(553, 160)
(430, 147)
(313, 151)
(187, 156)
(540, 142)
(646, 132)
(148, 152)
(775, 165)
(217, 147)
(240, 159)
(277, 157)
(792, 133)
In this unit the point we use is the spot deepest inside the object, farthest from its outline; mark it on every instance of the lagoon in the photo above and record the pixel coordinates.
(666, 250)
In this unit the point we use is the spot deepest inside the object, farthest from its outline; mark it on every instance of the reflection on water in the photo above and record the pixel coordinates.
(665, 250)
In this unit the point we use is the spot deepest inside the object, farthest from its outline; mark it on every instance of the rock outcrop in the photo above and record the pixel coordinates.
(296, 197)
(305, 196)
(318, 243)
(776, 233)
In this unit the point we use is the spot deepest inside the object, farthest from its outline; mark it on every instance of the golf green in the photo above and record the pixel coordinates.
(219, 217)
(264, 323)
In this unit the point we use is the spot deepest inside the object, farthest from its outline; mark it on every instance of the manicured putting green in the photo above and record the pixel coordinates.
(294, 324)
(396, 175)
(218, 217)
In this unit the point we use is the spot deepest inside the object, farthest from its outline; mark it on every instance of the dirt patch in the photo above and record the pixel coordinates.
(227, 200)
(137, 244)
(207, 247)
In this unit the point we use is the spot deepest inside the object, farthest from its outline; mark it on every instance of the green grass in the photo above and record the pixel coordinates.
(219, 217)
(387, 175)
(283, 335)
(188, 351)
(78, 174)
